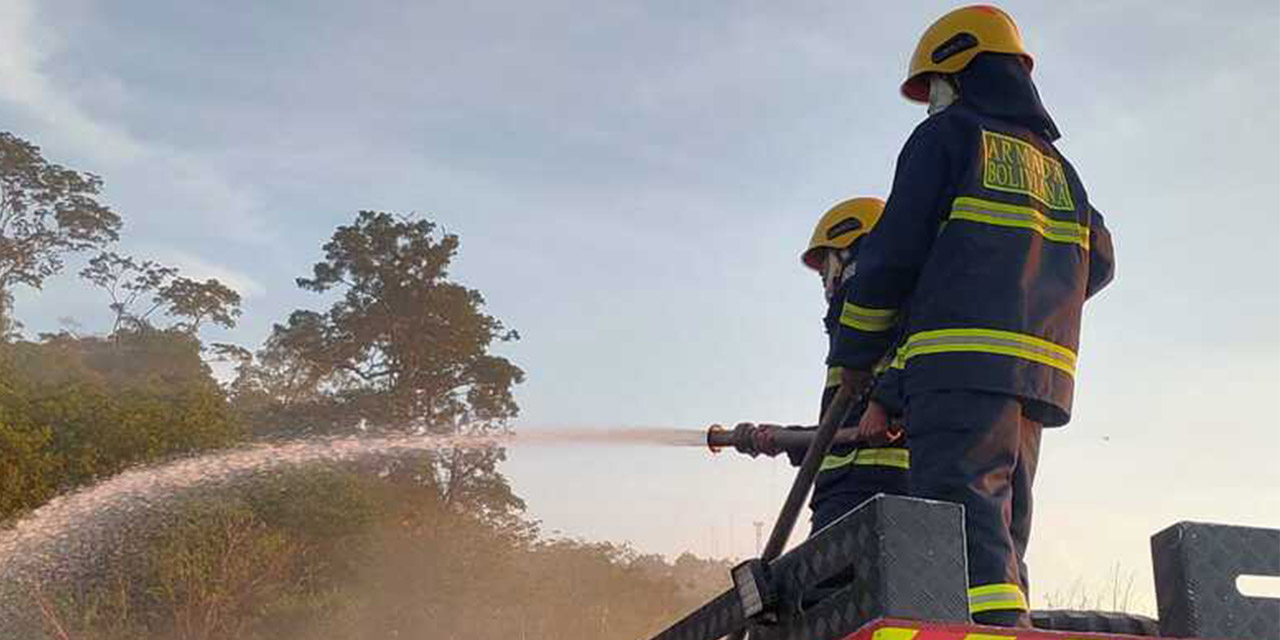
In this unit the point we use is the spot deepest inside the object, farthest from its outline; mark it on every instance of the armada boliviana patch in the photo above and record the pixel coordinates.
(1017, 166)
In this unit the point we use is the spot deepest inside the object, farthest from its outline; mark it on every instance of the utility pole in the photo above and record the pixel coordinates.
(759, 535)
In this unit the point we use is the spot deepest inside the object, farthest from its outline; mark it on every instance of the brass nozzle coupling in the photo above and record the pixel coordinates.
(717, 438)
(747, 437)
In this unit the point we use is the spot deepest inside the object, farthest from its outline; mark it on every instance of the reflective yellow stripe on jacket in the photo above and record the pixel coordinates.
(894, 360)
(867, 318)
(1007, 215)
(886, 457)
(1007, 343)
(994, 597)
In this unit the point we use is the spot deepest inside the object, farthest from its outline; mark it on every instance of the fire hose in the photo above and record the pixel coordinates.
(770, 439)
(835, 416)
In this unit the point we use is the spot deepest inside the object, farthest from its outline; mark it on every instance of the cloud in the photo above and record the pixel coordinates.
(194, 186)
(200, 269)
(22, 83)
(184, 191)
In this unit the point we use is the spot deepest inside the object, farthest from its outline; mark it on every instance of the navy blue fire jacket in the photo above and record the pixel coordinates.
(886, 390)
(989, 239)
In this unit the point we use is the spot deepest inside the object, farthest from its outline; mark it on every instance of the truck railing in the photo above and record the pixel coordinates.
(898, 558)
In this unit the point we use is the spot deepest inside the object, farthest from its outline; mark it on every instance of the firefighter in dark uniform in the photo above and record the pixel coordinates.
(985, 255)
(850, 474)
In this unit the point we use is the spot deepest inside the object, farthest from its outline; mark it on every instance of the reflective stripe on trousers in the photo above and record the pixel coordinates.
(993, 597)
(912, 633)
(884, 457)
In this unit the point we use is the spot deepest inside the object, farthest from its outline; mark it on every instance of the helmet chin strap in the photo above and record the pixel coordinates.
(942, 93)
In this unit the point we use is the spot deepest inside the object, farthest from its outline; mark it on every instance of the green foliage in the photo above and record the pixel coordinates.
(403, 347)
(46, 211)
(431, 547)
(28, 466)
(213, 567)
(127, 283)
(321, 554)
(196, 302)
(73, 410)
(318, 504)
(139, 288)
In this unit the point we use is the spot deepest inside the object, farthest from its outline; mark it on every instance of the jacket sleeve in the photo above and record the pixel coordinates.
(895, 251)
(796, 456)
(888, 392)
(1102, 258)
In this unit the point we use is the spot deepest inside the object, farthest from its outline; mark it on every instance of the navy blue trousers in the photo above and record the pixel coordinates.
(978, 450)
(837, 491)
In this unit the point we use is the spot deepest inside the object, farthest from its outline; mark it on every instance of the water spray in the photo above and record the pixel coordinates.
(65, 537)
(639, 436)
(68, 537)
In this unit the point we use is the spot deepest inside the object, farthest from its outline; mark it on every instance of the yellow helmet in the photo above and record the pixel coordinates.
(949, 44)
(840, 226)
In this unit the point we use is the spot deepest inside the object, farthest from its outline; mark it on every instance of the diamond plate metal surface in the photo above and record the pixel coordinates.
(1196, 566)
(714, 620)
(833, 618)
(1094, 622)
(907, 559)
(923, 568)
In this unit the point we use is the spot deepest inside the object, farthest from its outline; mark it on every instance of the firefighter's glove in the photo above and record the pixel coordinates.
(896, 431)
(857, 383)
(762, 440)
(874, 428)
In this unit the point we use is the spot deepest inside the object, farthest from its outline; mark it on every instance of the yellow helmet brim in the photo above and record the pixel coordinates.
(955, 39)
(840, 227)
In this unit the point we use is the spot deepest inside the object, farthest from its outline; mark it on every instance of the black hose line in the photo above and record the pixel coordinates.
(835, 416)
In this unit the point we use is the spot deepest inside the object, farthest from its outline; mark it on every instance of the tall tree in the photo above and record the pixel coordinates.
(404, 347)
(195, 303)
(46, 212)
(128, 283)
(140, 288)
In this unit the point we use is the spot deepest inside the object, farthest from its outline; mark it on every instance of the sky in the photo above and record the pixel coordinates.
(633, 184)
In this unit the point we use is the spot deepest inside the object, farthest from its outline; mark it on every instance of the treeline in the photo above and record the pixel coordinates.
(436, 547)
(329, 554)
(76, 409)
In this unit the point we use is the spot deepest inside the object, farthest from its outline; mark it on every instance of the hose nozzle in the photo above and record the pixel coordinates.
(718, 438)
(747, 437)
(767, 439)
